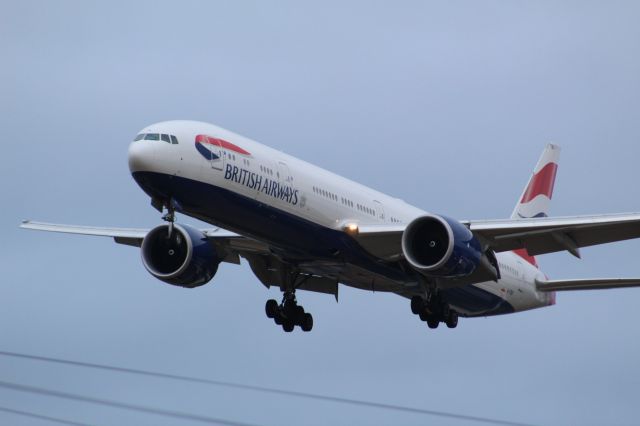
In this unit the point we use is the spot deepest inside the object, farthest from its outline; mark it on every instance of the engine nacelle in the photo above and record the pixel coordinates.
(439, 246)
(184, 259)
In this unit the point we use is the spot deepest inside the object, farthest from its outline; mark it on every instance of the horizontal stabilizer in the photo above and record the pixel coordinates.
(589, 284)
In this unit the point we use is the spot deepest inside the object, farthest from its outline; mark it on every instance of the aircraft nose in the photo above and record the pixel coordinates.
(141, 156)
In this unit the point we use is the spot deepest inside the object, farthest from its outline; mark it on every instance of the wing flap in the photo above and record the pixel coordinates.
(587, 284)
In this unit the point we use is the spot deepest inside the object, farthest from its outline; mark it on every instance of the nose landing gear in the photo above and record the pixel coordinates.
(288, 313)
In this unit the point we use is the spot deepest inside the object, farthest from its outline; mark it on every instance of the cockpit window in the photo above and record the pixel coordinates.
(157, 137)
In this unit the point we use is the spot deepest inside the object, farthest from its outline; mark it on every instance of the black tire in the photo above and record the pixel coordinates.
(271, 308)
(433, 322)
(417, 305)
(452, 319)
(278, 319)
(424, 316)
(307, 322)
(288, 325)
(299, 314)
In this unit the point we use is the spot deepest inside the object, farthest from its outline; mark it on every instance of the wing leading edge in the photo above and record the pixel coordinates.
(128, 236)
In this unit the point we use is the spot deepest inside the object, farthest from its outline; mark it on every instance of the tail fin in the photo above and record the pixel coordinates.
(536, 197)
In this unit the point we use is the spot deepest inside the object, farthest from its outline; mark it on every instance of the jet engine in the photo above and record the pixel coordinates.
(179, 255)
(439, 246)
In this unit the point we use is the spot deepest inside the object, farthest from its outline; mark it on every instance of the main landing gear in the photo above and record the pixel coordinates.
(288, 314)
(433, 311)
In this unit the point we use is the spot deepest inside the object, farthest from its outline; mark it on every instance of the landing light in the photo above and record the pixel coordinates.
(351, 228)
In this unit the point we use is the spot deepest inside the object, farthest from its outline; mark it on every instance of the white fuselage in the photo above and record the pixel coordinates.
(267, 177)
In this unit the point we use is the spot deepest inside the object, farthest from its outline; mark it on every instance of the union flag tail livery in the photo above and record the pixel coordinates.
(304, 228)
(536, 197)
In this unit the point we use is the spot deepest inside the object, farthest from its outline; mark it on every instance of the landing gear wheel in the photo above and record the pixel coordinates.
(288, 325)
(299, 314)
(307, 322)
(433, 322)
(271, 308)
(278, 319)
(452, 319)
(417, 305)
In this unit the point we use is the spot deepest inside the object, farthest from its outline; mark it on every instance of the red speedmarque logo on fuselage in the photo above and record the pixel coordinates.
(203, 142)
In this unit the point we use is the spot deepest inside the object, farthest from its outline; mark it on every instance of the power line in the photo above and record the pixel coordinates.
(264, 389)
(41, 417)
(116, 404)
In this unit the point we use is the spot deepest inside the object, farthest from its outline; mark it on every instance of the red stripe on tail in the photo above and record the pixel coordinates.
(541, 183)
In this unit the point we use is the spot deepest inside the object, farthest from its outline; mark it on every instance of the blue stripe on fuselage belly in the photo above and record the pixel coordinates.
(299, 238)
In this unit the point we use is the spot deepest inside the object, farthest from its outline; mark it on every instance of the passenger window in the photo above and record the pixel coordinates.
(139, 137)
(152, 137)
(165, 138)
(174, 140)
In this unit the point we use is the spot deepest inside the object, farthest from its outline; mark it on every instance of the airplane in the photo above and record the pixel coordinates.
(300, 227)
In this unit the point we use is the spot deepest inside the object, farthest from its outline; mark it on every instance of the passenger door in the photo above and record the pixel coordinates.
(379, 210)
(284, 174)
(286, 182)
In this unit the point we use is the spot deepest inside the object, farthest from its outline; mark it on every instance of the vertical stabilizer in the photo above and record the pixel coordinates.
(536, 197)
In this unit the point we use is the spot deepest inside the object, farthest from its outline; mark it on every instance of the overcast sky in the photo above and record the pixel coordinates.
(444, 104)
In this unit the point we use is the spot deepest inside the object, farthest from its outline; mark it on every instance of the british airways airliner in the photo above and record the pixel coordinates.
(303, 228)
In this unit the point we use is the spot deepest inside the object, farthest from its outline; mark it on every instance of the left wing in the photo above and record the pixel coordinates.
(537, 235)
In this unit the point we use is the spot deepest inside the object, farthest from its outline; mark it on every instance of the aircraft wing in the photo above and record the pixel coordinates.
(230, 245)
(129, 236)
(132, 236)
(588, 284)
(537, 235)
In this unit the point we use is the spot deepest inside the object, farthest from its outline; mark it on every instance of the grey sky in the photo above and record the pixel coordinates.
(444, 104)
